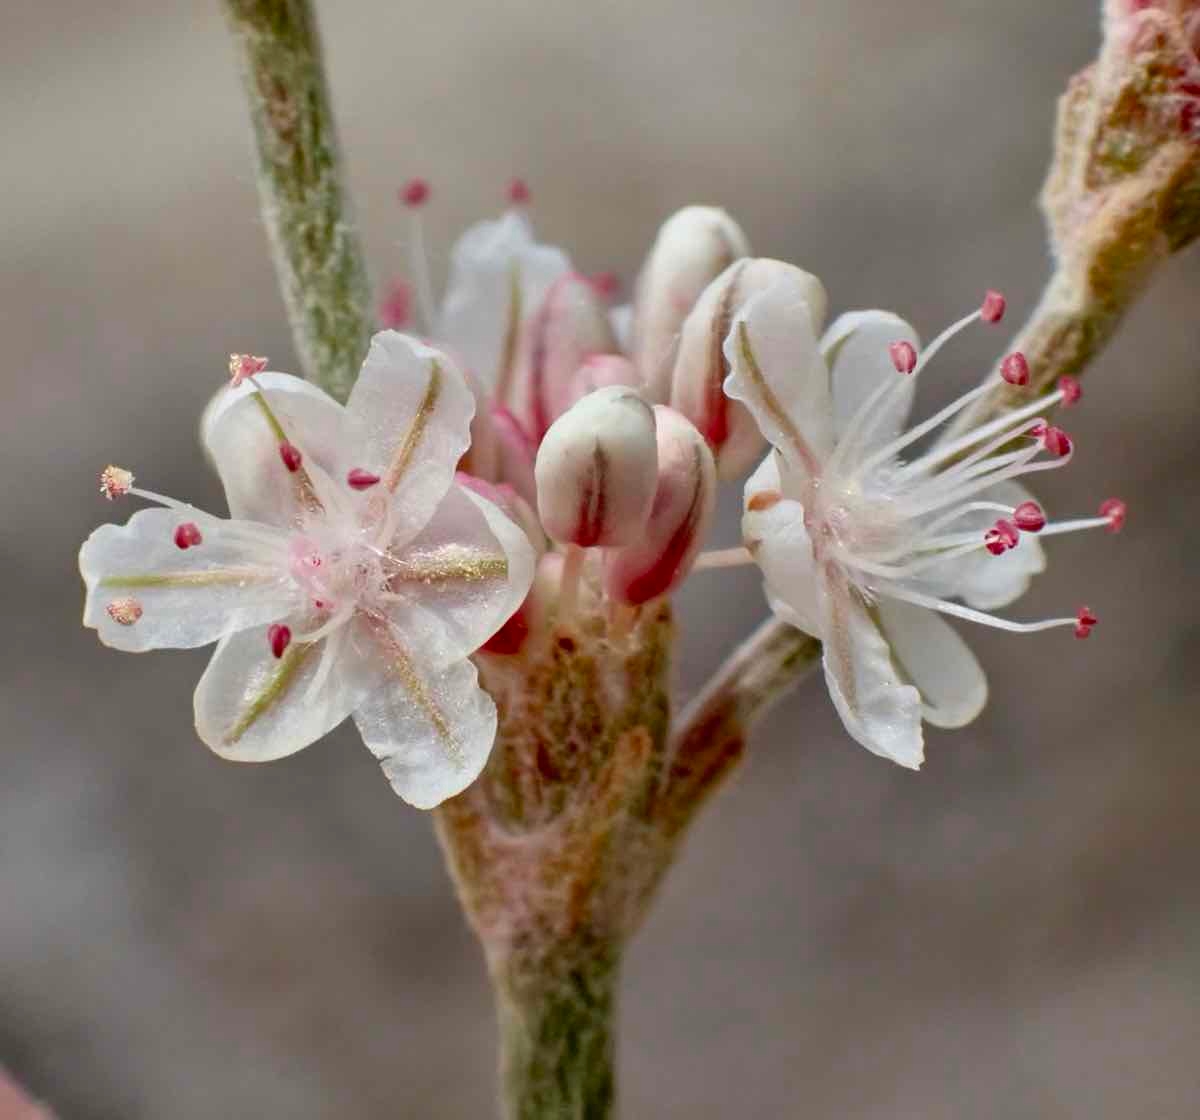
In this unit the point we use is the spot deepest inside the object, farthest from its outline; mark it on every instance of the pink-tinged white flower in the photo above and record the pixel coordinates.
(866, 548)
(354, 577)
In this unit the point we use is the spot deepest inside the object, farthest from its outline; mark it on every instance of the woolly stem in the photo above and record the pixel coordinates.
(318, 257)
(556, 1033)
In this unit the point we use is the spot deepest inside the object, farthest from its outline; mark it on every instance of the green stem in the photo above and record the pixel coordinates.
(317, 253)
(556, 1034)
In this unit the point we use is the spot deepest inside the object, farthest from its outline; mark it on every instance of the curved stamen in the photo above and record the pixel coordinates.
(943, 606)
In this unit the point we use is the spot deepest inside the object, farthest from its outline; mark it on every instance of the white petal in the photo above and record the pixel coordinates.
(621, 320)
(470, 569)
(408, 420)
(475, 316)
(253, 707)
(235, 578)
(778, 372)
(878, 708)
(856, 348)
(245, 449)
(432, 731)
(782, 549)
(934, 657)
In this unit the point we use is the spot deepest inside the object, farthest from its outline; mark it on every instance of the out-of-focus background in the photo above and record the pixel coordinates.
(1015, 932)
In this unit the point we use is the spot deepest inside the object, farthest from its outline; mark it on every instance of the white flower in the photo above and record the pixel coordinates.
(864, 550)
(355, 576)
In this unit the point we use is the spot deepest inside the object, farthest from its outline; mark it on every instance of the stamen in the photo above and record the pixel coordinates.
(993, 308)
(1113, 511)
(115, 482)
(1055, 440)
(395, 308)
(290, 454)
(124, 612)
(188, 535)
(723, 558)
(414, 195)
(1001, 537)
(518, 192)
(360, 479)
(242, 366)
(1071, 391)
(969, 614)
(1084, 621)
(1029, 517)
(904, 356)
(279, 637)
(1015, 369)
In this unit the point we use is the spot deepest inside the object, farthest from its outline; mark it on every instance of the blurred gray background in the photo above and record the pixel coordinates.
(1015, 932)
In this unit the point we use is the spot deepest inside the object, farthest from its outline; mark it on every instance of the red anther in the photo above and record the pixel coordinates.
(1015, 369)
(993, 307)
(291, 456)
(124, 612)
(1072, 391)
(606, 284)
(279, 637)
(414, 193)
(1056, 441)
(395, 308)
(360, 479)
(188, 535)
(1114, 510)
(1001, 537)
(518, 192)
(1084, 621)
(904, 356)
(1029, 518)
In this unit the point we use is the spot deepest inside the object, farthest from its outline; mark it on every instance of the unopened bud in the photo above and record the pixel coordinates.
(515, 453)
(697, 384)
(693, 247)
(571, 325)
(597, 469)
(684, 501)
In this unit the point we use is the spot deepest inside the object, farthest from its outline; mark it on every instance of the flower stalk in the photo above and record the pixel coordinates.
(317, 252)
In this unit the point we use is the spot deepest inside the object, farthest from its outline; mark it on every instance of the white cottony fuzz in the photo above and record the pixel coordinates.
(698, 381)
(357, 582)
(684, 501)
(693, 247)
(596, 470)
(866, 547)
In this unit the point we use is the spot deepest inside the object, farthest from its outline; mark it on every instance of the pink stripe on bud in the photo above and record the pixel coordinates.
(693, 247)
(279, 637)
(290, 454)
(684, 500)
(1029, 518)
(1015, 369)
(993, 308)
(360, 479)
(903, 355)
(188, 535)
(1114, 509)
(596, 470)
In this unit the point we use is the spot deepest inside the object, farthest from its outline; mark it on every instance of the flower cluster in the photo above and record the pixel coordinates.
(541, 451)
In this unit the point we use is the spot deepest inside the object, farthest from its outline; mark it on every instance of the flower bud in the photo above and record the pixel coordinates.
(684, 501)
(571, 325)
(693, 247)
(697, 384)
(596, 470)
(515, 452)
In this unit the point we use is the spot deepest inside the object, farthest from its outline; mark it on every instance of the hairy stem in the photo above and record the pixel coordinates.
(317, 253)
(556, 1033)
